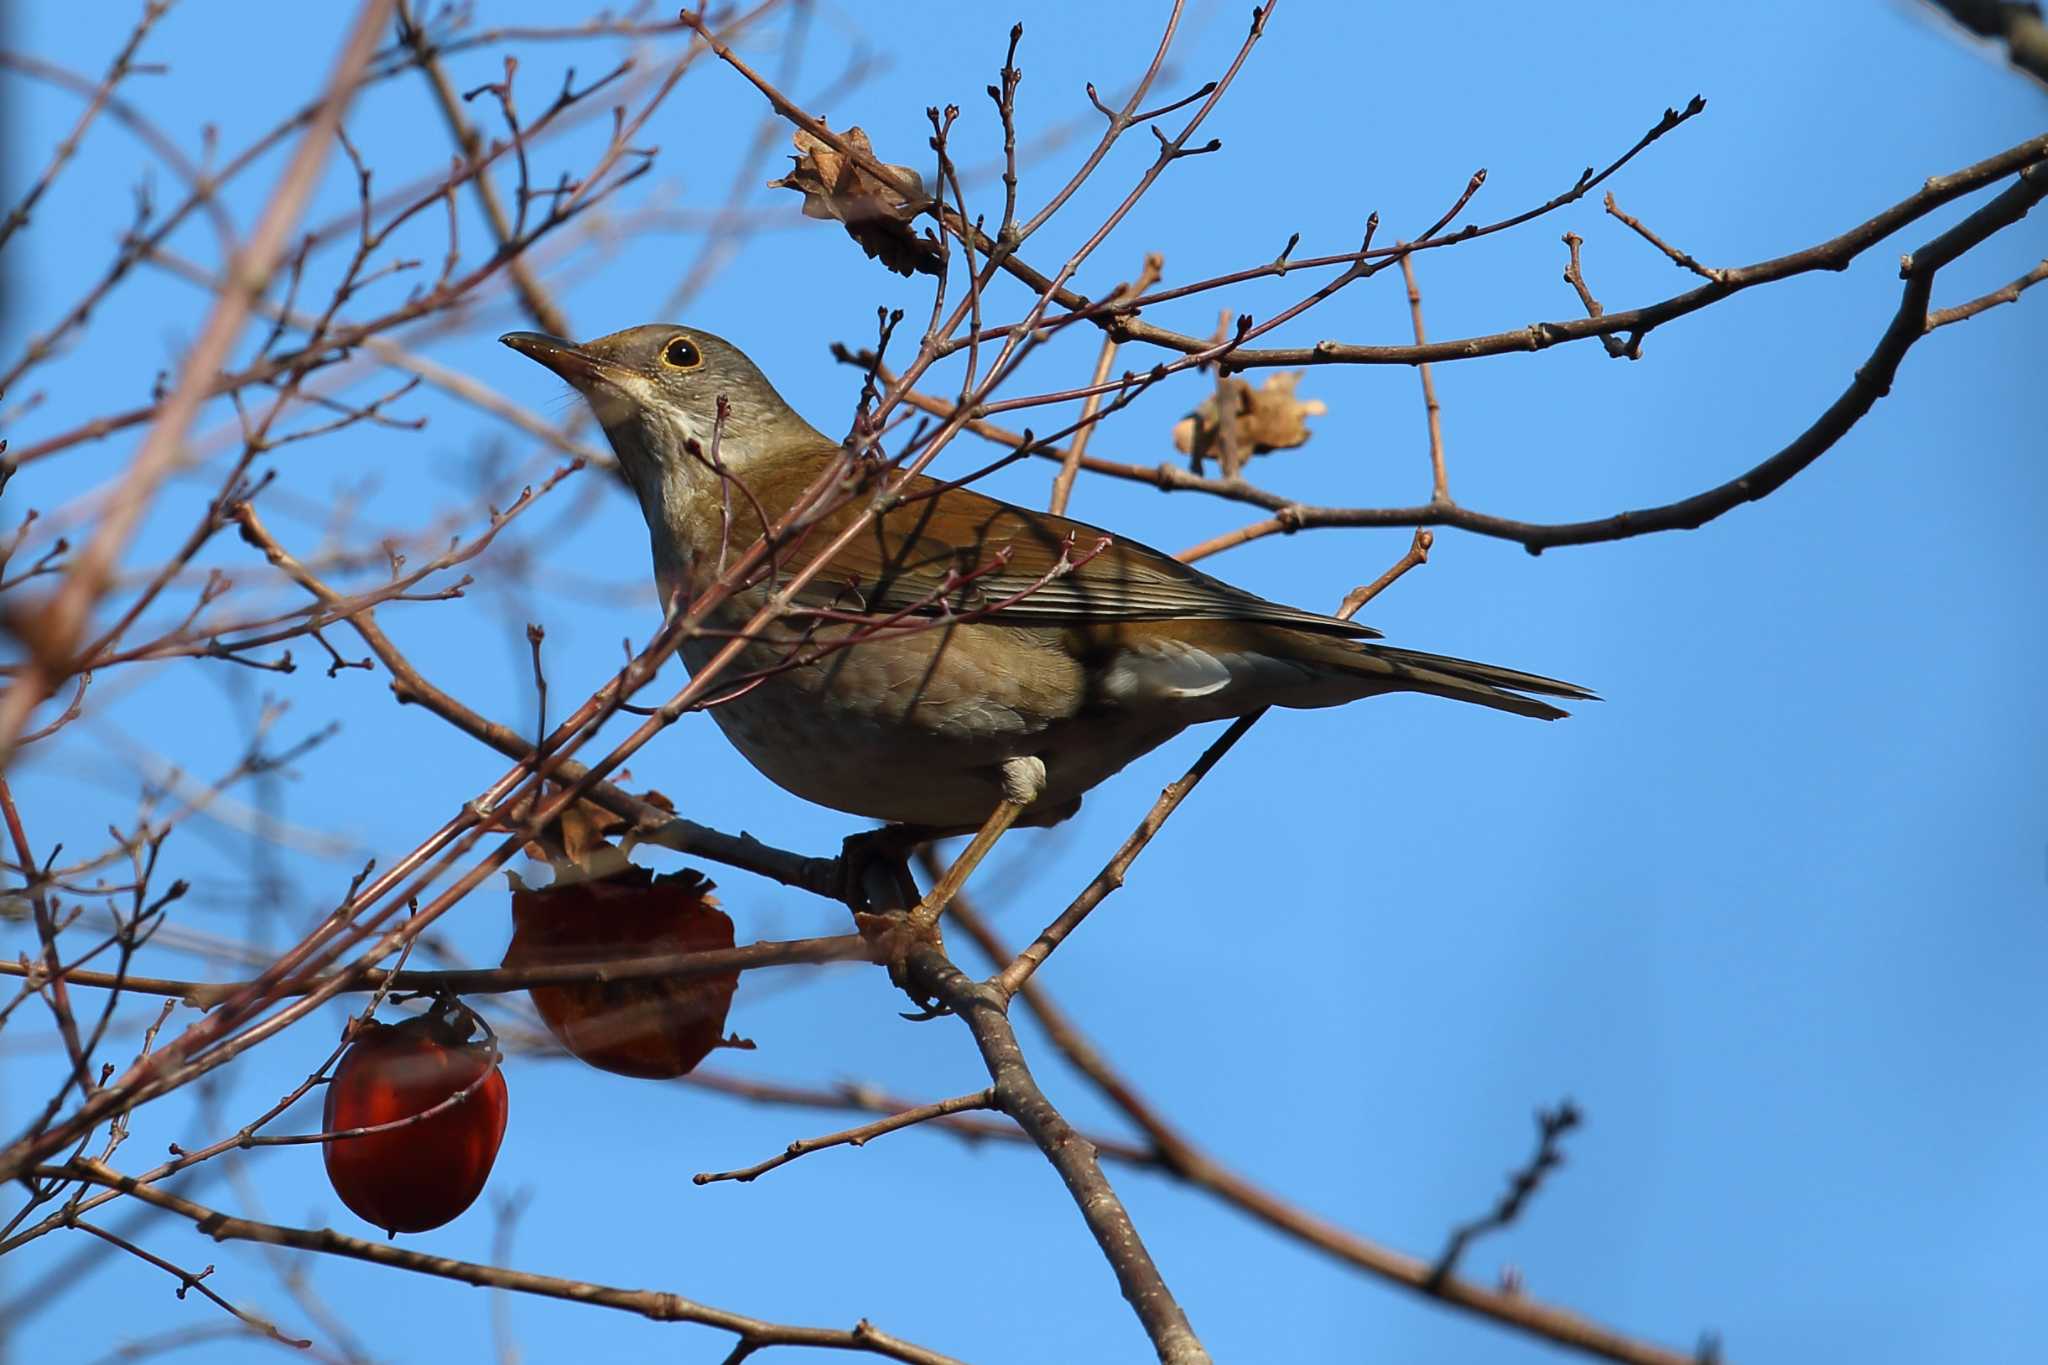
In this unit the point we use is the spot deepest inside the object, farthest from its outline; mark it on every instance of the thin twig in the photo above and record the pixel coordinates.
(678, 967)
(855, 1137)
(1942, 317)
(1070, 461)
(1440, 486)
(1523, 1182)
(1678, 258)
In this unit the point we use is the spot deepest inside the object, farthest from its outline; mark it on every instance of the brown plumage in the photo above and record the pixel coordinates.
(1011, 659)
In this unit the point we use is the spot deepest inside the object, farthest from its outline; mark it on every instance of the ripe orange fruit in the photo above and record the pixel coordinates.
(420, 1174)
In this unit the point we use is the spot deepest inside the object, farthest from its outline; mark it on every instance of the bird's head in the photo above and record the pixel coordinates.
(656, 390)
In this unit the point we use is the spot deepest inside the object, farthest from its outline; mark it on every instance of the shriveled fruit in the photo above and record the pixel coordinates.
(650, 1027)
(420, 1174)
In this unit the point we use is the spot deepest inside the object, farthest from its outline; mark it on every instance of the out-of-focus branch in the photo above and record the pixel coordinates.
(443, 377)
(482, 980)
(63, 620)
(533, 297)
(338, 338)
(117, 71)
(2016, 24)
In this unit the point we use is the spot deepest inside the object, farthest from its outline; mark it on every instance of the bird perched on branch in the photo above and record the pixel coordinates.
(959, 662)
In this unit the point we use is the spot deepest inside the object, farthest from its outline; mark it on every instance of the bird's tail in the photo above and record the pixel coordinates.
(1406, 670)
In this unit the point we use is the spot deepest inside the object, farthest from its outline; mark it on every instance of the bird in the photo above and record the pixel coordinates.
(961, 663)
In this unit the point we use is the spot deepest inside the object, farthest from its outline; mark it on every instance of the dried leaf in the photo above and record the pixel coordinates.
(573, 836)
(1266, 419)
(876, 212)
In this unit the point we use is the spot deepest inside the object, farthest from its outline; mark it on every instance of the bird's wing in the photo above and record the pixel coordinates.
(974, 554)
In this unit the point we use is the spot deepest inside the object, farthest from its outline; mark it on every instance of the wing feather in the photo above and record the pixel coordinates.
(975, 554)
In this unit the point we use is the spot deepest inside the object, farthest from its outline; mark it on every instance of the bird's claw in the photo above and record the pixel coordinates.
(894, 938)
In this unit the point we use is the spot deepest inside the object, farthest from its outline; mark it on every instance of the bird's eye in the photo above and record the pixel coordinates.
(681, 354)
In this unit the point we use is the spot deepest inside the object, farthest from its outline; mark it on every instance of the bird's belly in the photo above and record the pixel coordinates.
(914, 730)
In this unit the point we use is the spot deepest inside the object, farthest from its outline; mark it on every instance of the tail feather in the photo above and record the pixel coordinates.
(1463, 680)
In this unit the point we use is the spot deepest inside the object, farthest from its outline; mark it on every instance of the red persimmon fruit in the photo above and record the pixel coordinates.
(413, 1173)
(649, 1027)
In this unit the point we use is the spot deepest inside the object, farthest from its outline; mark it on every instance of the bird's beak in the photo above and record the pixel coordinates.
(575, 364)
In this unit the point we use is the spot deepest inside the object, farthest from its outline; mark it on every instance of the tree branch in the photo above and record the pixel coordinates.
(654, 1305)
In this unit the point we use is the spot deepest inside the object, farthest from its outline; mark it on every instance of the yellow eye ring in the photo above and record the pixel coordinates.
(681, 354)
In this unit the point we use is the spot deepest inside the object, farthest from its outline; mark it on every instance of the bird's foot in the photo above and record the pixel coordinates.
(895, 939)
(881, 892)
(874, 869)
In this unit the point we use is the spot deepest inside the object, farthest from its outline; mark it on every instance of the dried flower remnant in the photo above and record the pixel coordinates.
(1265, 419)
(876, 212)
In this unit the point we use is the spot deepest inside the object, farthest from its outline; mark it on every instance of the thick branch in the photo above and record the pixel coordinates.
(1017, 1094)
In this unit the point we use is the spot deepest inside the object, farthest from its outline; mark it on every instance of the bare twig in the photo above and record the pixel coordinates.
(117, 71)
(857, 1136)
(1523, 1182)
(1111, 877)
(533, 297)
(654, 1305)
(482, 980)
(1942, 317)
(1439, 486)
(1418, 554)
(187, 1280)
(1574, 275)
(1070, 462)
(1678, 258)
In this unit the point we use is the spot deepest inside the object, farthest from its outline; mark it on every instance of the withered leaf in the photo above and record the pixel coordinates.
(1266, 419)
(875, 212)
(575, 835)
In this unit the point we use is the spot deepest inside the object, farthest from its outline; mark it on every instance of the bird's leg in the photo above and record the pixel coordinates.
(1023, 783)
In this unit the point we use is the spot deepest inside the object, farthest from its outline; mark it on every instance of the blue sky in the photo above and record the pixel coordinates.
(1772, 914)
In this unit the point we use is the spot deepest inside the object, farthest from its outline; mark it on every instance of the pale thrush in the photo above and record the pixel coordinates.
(980, 677)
